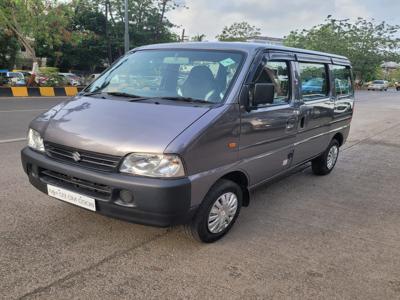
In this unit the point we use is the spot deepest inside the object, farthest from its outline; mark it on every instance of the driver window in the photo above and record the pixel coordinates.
(277, 73)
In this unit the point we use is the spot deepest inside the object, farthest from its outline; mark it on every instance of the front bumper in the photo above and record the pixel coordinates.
(157, 202)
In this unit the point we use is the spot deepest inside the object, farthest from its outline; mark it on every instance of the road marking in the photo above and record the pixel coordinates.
(12, 140)
(22, 110)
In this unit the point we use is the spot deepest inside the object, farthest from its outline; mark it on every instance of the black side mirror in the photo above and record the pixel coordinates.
(263, 93)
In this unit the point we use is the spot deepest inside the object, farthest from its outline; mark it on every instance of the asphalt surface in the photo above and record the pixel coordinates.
(303, 237)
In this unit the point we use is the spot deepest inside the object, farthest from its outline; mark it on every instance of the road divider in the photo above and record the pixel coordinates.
(23, 91)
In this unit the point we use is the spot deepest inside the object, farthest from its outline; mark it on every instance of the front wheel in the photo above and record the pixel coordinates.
(217, 213)
(324, 164)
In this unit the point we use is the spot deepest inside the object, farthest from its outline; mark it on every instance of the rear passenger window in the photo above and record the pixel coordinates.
(342, 77)
(277, 73)
(314, 81)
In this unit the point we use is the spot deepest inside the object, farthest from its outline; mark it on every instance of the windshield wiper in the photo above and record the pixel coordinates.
(116, 94)
(88, 94)
(185, 99)
(122, 94)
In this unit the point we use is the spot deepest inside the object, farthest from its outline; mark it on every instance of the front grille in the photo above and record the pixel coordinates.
(96, 190)
(86, 159)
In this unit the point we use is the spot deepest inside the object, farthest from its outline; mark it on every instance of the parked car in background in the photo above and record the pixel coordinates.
(397, 86)
(71, 79)
(24, 72)
(378, 85)
(13, 78)
(92, 77)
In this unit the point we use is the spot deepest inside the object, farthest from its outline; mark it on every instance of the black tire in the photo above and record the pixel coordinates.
(320, 164)
(197, 228)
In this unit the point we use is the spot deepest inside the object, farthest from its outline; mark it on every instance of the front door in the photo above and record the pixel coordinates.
(268, 132)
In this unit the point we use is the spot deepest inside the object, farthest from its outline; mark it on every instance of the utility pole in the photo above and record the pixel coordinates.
(183, 35)
(126, 39)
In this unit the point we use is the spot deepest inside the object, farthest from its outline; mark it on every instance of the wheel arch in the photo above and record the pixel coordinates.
(241, 179)
(339, 137)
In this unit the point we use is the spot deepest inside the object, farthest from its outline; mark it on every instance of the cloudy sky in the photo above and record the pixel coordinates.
(276, 17)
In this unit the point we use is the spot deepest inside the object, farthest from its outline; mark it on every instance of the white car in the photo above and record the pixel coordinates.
(378, 85)
(71, 78)
(92, 77)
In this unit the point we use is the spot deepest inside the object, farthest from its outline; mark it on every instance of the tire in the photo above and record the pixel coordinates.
(324, 164)
(199, 227)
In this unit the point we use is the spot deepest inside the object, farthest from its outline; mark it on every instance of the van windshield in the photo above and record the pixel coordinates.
(197, 74)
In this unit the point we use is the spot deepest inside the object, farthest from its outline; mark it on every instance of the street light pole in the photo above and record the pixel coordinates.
(126, 36)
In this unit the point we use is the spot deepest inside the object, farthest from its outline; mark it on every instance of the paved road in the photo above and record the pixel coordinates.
(302, 237)
(16, 113)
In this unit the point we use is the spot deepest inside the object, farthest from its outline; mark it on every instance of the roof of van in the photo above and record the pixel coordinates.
(244, 46)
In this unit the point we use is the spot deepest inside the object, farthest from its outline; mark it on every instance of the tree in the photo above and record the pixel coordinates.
(34, 23)
(17, 16)
(238, 32)
(365, 43)
(198, 38)
(83, 34)
(8, 49)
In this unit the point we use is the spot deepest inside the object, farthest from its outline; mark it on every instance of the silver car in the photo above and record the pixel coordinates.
(378, 85)
(182, 133)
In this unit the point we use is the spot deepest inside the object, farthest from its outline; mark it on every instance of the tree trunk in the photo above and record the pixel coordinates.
(24, 42)
(108, 34)
(159, 26)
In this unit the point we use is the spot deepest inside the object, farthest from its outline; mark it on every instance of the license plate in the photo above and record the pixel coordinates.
(71, 197)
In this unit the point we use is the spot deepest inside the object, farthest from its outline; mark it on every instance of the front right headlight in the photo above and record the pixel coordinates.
(35, 141)
(153, 165)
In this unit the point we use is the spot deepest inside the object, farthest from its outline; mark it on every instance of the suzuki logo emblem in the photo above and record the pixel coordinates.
(76, 156)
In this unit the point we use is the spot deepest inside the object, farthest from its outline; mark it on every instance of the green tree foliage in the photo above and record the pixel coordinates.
(8, 49)
(365, 43)
(19, 17)
(238, 32)
(83, 34)
(198, 38)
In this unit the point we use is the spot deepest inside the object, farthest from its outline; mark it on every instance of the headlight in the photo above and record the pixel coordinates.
(153, 165)
(35, 141)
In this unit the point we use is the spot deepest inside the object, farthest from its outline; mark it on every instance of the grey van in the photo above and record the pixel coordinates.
(181, 133)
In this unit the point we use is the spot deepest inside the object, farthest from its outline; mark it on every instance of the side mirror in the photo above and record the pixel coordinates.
(263, 93)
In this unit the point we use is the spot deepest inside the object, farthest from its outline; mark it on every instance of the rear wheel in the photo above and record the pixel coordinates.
(217, 213)
(324, 164)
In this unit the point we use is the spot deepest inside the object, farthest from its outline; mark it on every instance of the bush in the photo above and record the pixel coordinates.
(52, 77)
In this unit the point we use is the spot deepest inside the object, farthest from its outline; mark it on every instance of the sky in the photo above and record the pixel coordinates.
(276, 18)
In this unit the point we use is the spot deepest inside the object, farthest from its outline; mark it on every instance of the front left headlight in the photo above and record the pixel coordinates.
(35, 141)
(153, 165)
